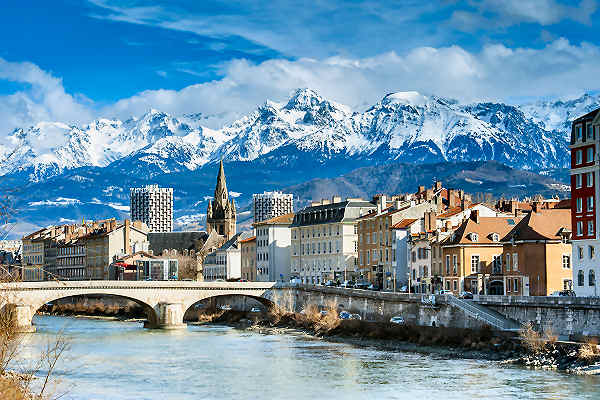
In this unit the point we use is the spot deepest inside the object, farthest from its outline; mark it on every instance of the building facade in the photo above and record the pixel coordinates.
(221, 213)
(153, 206)
(585, 192)
(325, 240)
(225, 263)
(271, 204)
(248, 250)
(273, 242)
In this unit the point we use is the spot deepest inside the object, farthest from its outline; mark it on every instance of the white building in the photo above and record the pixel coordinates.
(271, 204)
(585, 200)
(401, 233)
(273, 243)
(325, 240)
(224, 263)
(153, 206)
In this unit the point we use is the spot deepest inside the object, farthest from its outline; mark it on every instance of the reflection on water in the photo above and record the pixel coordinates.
(121, 360)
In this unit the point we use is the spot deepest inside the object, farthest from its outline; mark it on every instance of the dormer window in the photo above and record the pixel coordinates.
(495, 237)
(474, 237)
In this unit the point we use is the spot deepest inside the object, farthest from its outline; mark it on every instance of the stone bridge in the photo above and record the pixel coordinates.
(165, 302)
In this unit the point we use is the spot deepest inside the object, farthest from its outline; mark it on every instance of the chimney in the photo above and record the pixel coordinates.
(438, 185)
(536, 207)
(453, 198)
(382, 202)
(324, 202)
(475, 216)
(336, 199)
(430, 221)
(421, 189)
(448, 225)
(126, 241)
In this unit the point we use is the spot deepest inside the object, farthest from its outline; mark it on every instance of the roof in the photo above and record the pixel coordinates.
(405, 223)
(543, 225)
(231, 243)
(250, 239)
(450, 212)
(285, 219)
(588, 116)
(160, 241)
(484, 230)
(333, 212)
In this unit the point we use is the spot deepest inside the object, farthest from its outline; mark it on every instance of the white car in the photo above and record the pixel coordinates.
(225, 307)
(255, 310)
(398, 319)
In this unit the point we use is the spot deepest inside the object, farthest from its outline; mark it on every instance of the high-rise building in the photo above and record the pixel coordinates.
(585, 192)
(153, 206)
(221, 215)
(271, 204)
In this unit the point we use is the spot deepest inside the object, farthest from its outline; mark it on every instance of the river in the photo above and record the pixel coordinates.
(121, 360)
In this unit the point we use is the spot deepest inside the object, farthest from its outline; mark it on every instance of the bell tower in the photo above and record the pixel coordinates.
(220, 214)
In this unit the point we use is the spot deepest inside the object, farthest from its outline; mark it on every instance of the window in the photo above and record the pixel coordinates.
(474, 264)
(578, 181)
(591, 252)
(515, 260)
(566, 261)
(590, 155)
(590, 203)
(497, 264)
(590, 227)
(455, 285)
(580, 252)
(516, 287)
(507, 262)
(454, 264)
(580, 278)
(447, 265)
(578, 132)
(414, 257)
(474, 237)
(567, 284)
(592, 278)
(495, 237)
(590, 179)
(579, 228)
(579, 206)
(590, 131)
(578, 157)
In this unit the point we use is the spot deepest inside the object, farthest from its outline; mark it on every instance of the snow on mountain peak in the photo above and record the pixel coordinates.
(411, 98)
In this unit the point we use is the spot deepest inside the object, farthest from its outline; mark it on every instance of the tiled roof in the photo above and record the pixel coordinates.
(405, 223)
(543, 225)
(285, 219)
(450, 212)
(250, 239)
(484, 230)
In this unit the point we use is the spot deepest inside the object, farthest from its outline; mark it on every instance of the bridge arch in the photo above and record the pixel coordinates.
(239, 300)
(150, 311)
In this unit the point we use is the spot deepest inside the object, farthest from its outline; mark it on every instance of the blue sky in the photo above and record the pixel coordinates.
(73, 61)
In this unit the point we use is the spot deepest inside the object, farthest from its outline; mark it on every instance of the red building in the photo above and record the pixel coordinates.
(585, 167)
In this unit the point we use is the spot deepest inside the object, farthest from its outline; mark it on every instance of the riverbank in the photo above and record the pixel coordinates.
(14, 386)
(531, 351)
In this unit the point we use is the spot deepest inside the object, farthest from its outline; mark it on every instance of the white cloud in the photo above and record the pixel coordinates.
(59, 202)
(42, 99)
(511, 12)
(235, 194)
(494, 73)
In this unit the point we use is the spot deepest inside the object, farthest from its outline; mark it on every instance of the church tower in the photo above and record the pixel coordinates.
(220, 214)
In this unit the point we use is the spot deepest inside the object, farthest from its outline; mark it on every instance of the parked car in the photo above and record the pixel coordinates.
(348, 284)
(398, 319)
(355, 316)
(361, 285)
(225, 307)
(296, 281)
(345, 315)
(255, 310)
(443, 291)
(330, 283)
(567, 293)
(466, 295)
(243, 280)
(372, 286)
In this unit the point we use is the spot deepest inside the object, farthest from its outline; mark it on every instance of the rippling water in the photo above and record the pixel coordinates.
(121, 360)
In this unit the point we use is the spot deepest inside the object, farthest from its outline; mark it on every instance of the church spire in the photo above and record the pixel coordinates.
(221, 195)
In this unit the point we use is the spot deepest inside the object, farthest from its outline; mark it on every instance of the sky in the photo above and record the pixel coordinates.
(76, 60)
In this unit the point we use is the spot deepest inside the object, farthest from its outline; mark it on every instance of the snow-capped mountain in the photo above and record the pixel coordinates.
(404, 126)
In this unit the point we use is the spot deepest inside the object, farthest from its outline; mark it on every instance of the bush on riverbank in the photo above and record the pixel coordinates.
(95, 309)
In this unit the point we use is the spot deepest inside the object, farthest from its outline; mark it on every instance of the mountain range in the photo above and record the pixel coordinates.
(56, 171)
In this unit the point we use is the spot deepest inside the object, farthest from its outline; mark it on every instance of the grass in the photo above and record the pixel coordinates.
(532, 340)
(588, 351)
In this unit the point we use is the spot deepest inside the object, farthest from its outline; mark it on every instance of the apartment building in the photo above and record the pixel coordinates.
(248, 254)
(325, 240)
(273, 244)
(70, 259)
(585, 192)
(473, 252)
(269, 205)
(537, 255)
(401, 233)
(225, 263)
(109, 241)
(153, 206)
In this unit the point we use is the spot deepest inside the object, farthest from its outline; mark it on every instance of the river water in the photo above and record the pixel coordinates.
(121, 360)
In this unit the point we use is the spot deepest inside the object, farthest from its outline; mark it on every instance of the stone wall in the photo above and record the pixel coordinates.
(564, 316)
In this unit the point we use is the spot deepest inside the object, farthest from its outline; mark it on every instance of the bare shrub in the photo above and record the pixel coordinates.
(533, 341)
(588, 351)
